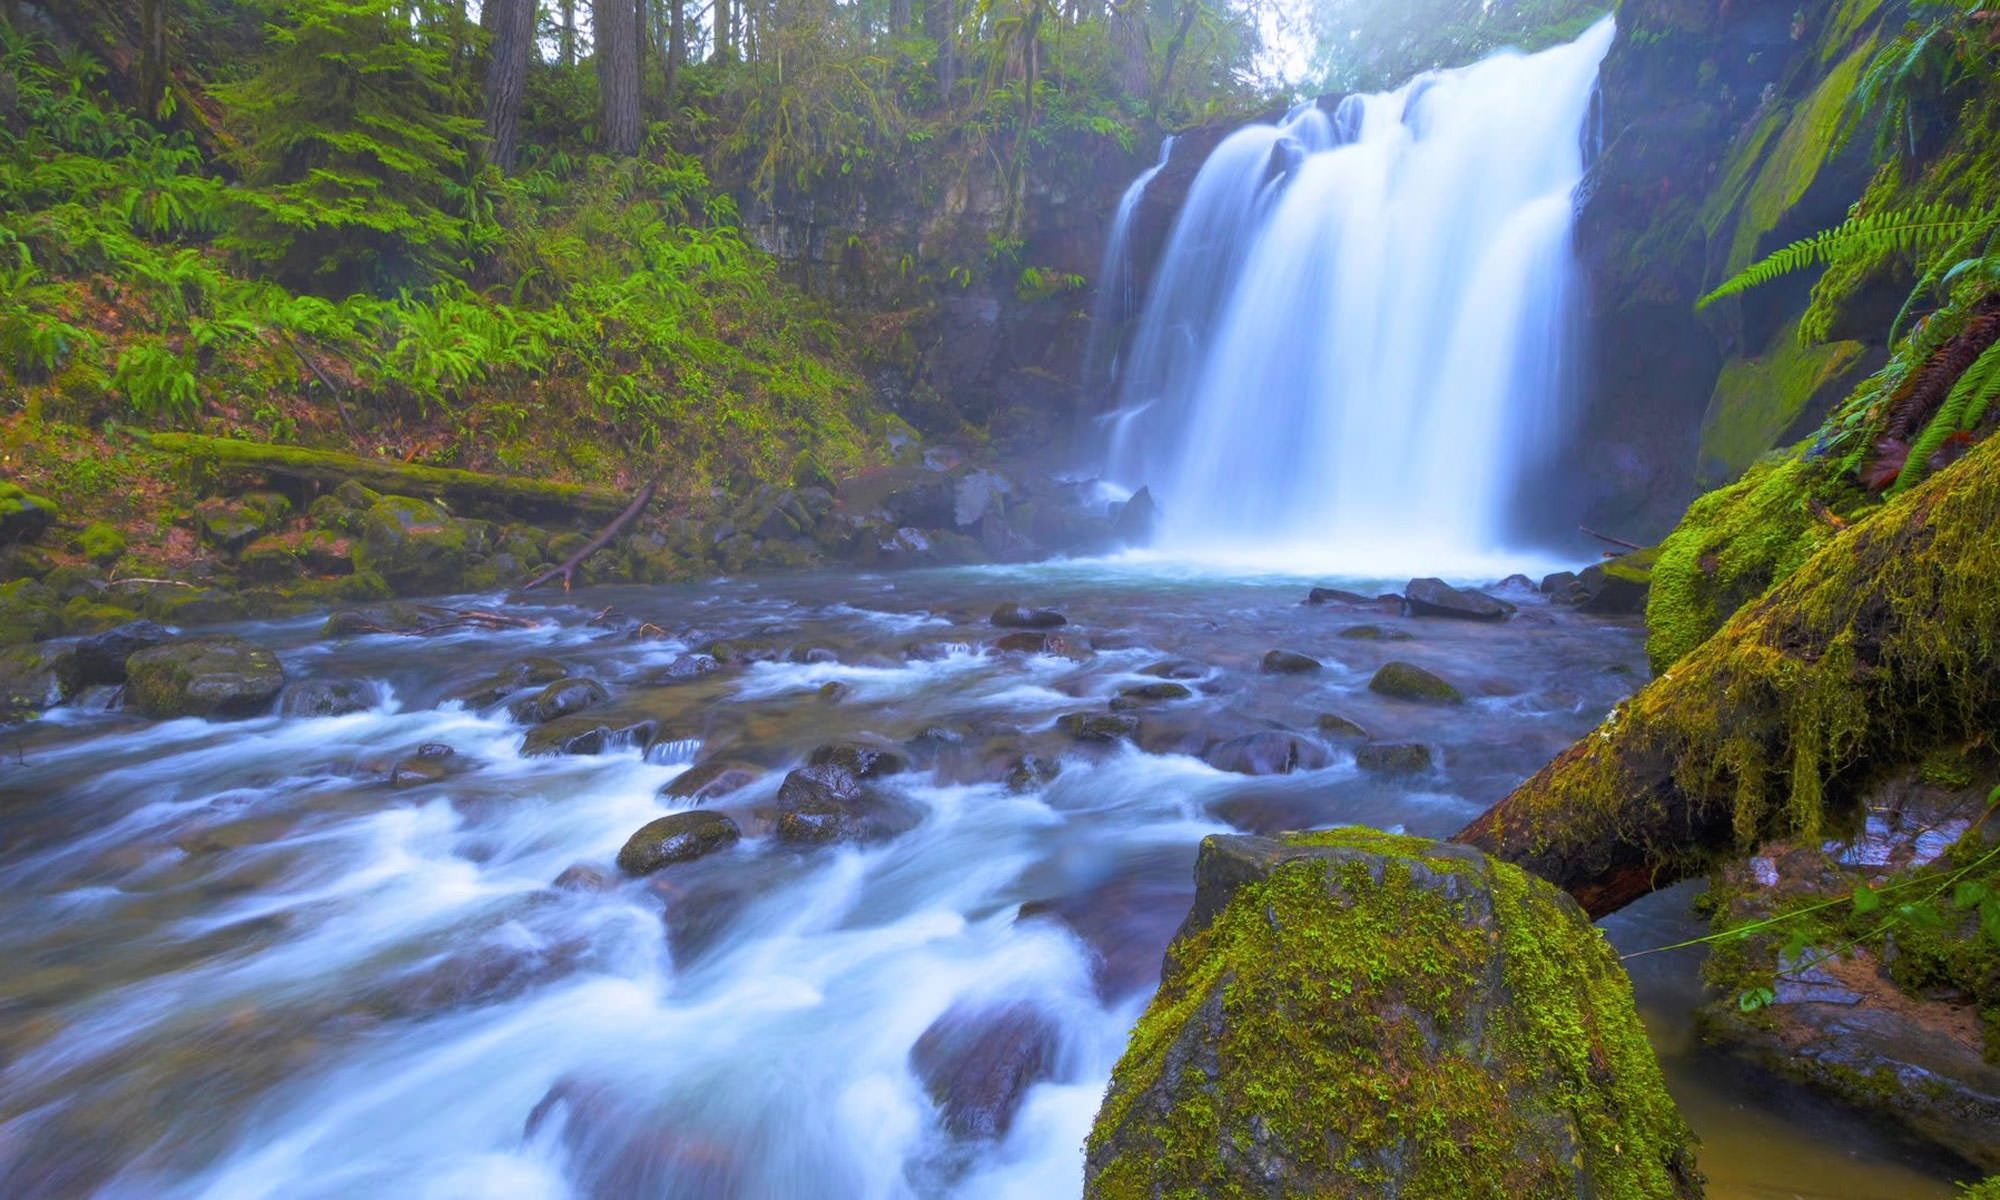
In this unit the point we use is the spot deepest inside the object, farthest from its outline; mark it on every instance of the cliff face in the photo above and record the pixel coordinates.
(1722, 124)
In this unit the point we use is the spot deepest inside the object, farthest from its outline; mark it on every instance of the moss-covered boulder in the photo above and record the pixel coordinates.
(23, 517)
(203, 677)
(1617, 587)
(1352, 1014)
(29, 609)
(229, 525)
(1408, 681)
(101, 543)
(414, 544)
(1732, 545)
(676, 838)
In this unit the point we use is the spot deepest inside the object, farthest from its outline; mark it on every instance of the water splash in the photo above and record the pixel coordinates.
(1358, 345)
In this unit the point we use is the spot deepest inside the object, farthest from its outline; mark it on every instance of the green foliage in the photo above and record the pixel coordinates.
(1899, 231)
(353, 127)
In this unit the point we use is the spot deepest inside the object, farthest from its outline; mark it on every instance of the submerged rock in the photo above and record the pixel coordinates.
(1334, 725)
(1146, 695)
(1289, 662)
(1098, 727)
(1375, 633)
(1325, 595)
(219, 676)
(1436, 598)
(1268, 752)
(711, 780)
(978, 1063)
(327, 698)
(1398, 758)
(860, 759)
(1013, 616)
(563, 698)
(1355, 1014)
(1407, 681)
(675, 838)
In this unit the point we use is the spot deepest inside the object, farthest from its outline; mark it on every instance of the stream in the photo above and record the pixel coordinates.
(255, 959)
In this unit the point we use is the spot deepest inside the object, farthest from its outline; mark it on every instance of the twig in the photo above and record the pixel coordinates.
(138, 579)
(567, 568)
(1605, 537)
(1820, 510)
(339, 405)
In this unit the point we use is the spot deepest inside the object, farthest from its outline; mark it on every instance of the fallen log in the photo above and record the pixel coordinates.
(468, 489)
(568, 567)
(1883, 644)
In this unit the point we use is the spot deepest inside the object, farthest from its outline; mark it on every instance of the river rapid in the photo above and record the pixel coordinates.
(254, 958)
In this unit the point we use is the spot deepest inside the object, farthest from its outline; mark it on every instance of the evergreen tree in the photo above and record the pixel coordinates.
(352, 129)
(512, 29)
(616, 49)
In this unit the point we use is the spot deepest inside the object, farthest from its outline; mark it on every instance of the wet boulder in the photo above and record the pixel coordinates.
(531, 672)
(712, 780)
(1407, 681)
(1289, 662)
(588, 734)
(101, 657)
(33, 678)
(1175, 668)
(1032, 772)
(1147, 695)
(1458, 1024)
(1436, 598)
(563, 698)
(1267, 752)
(1375, 633)
(1393, 758)
(1136, 520)
(676, 838)
(1616, 587)
(432, 762)
(1326, 595)
(1333, 725)
(859, 759)
(328, 698)
(977, 1063)
(685, 668)
(1098, 727)
(1013, 616)
(826, 803)
(1031, 642)
(218, 676)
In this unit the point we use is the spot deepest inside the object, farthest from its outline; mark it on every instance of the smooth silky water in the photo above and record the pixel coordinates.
(240, 963)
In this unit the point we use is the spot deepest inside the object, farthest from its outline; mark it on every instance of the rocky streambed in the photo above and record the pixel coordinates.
(828, 884)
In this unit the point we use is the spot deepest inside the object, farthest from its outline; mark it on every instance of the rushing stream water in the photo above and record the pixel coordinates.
(242, 962)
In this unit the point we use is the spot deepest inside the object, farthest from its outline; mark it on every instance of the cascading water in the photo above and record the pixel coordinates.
(1356, 351)
(1116, 295)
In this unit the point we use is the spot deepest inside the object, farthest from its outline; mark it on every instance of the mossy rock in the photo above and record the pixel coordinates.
(676, 838)
(1352, 1014)
(87, 615)
(414, 544)
(230, 525)
(203, 677)
(33, 678)
(23, 516)
(1757, 400)
(29, 609)
(101, 543)
(1733, 544)
(1407, 681)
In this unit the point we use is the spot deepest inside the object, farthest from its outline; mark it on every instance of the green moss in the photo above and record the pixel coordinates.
(1369, 1021)
(1733, 544)
(101, 543)
(1757, 399)
(1802, 151)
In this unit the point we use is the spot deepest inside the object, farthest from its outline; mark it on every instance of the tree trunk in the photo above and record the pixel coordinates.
(676, 47)
(1132, 45)
(642, 36)
(617, 60)
(566, 40)
(899, 18)
(725, 47)
(941, 26)
(513, 34)
(1884, 644)
(1188, 10)
(152, 57)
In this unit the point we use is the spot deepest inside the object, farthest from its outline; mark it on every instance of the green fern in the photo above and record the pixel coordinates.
(1903, 230)
(1961, 411)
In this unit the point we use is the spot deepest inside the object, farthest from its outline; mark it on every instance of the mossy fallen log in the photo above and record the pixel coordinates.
(470, 489)
(1882, 644)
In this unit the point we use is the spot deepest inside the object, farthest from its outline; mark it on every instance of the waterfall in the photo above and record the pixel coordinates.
(1357, 347)
(1116, 298)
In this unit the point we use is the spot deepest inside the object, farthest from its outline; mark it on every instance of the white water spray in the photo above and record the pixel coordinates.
(1357, 348)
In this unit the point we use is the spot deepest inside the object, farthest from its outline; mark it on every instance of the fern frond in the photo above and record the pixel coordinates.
(1900, 230)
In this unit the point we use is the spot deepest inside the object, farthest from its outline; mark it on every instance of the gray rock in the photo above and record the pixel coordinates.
(1289, 662)
(1268, 752)
(328, 698)
(1013, 616)
(101, 657)
(711, 780)
(977, 1063)
(1407, 681)
(203, 677)
(1400, 758)
(1436, 598)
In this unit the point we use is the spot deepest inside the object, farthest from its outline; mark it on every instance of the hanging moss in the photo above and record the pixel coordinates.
(1733, 544)
(1382, 1015)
